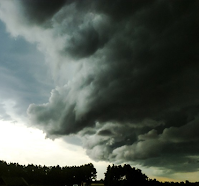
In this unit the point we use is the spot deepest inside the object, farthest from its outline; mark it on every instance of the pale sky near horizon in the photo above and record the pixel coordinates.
(101, 82)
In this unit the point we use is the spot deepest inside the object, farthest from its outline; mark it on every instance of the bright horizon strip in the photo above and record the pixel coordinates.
(24, 145)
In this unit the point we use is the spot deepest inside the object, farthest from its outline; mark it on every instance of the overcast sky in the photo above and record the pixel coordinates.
(102, 82)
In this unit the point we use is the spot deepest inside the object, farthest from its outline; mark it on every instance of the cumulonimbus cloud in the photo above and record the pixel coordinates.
(132, 89)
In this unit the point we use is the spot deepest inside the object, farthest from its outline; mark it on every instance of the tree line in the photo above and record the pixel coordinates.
(122, 176)
(117, 175)
(53, 175)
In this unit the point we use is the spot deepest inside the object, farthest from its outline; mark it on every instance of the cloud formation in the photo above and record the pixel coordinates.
(3, 114)
(127, 76)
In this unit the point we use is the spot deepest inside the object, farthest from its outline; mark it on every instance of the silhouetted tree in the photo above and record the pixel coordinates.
(122, 176)
(60, 176)
(54, 175)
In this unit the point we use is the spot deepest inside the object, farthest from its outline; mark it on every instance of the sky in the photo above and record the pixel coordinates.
(107, 82)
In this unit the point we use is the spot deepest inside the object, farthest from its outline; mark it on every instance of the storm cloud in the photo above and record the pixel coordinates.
(126, 75)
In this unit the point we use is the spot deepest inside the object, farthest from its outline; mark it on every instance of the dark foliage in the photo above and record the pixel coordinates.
(127, 175)
(53, 175)
(122, 176)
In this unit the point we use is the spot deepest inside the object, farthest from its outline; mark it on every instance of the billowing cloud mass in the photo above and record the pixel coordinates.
(126, 75)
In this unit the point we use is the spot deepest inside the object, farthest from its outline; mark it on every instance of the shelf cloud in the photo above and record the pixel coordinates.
(126, 75)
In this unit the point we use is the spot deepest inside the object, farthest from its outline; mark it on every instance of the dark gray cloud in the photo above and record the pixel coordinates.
(39, 12)
(134, 96)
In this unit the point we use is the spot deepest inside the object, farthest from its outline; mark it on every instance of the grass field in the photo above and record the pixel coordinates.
(97, 184)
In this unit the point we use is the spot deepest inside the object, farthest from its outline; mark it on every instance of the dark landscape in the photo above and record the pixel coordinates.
(14, 174)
